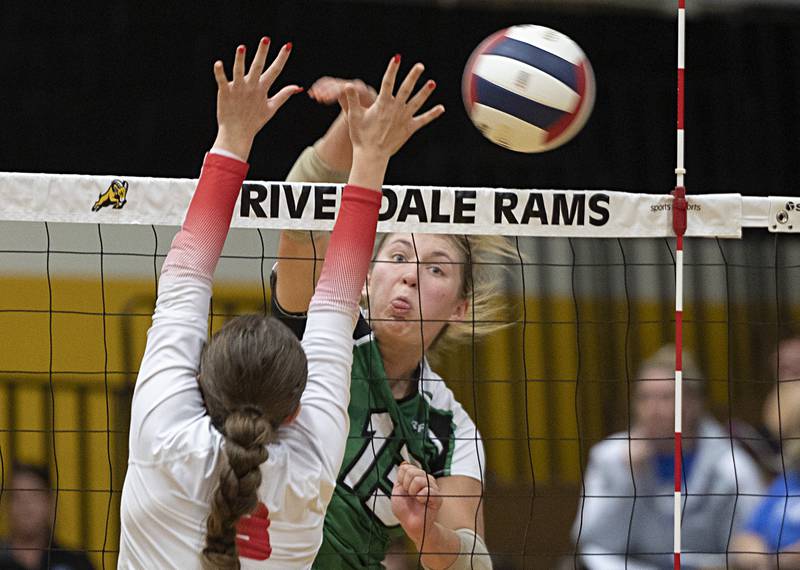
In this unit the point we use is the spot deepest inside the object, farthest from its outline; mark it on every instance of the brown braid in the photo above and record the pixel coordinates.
(252, 375)
(246, 435)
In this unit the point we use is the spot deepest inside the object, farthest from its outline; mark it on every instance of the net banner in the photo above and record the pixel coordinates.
(422, 209)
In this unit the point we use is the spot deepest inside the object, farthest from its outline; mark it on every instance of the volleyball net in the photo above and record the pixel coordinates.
(591, 296)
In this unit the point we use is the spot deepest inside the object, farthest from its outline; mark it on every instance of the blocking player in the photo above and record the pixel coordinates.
(253, 415)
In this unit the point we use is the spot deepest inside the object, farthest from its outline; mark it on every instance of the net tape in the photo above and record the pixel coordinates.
(422, 209)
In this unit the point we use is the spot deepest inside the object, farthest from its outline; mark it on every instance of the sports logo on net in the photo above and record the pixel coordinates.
(115, 196)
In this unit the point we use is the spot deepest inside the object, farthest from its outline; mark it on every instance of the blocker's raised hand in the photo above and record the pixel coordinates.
(383, 128)
(243, 102)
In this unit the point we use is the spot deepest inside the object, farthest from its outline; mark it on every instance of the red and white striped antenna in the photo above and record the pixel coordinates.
(679, 226)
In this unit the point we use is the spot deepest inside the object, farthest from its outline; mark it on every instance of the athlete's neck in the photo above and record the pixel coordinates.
(28, 549)
(400, 364)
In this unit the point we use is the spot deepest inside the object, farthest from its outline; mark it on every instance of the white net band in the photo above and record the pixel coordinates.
(421, 209)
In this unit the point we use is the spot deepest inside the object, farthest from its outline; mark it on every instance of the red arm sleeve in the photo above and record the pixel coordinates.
(198, 245)
(350, 250)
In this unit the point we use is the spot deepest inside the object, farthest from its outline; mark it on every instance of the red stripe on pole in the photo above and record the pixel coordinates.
(678, 344)
(678, 470)
(680, 97)
(681, 3)
(679, 208)
(677, 561)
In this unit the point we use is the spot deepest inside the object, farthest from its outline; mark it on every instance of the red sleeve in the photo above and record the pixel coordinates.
(350, 249)
(198, 245)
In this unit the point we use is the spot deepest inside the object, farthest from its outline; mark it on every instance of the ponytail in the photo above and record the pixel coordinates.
(246, 433)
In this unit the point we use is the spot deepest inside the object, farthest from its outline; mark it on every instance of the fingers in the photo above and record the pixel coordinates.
(326, 90)
(412, 479)
(238, 64)
(342, 98)
(419, 98)
(277, 100)
(415, 482)
(409, 82)
(275, 68)
(352, 99)
(389, 76)
(419, 484)
(428, 116)
(219, 74)
(257, 67)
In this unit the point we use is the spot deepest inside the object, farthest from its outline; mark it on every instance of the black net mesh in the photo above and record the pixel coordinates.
(546, 391)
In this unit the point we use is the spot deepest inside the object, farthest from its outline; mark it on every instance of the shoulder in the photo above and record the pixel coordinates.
(433, 387)
(611, 448)
(716, 442)
(730, 462)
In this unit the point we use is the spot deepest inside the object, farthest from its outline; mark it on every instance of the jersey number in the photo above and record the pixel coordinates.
(373, 473)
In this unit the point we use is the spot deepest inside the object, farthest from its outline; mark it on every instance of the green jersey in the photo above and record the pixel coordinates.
(428, 427)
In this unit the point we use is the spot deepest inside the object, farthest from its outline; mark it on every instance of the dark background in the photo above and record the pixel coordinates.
(127, 89)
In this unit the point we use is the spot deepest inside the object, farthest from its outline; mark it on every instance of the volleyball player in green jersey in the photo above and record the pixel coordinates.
(414, 460)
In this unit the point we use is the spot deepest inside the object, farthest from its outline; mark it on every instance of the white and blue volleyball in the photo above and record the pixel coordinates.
(528, 88)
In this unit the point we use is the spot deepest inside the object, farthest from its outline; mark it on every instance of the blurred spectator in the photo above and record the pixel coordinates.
(625, 519)
(30, 544)
(774, 527)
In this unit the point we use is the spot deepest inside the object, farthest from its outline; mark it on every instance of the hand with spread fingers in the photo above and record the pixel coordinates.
(380, 130)
(416, 501)
(243, 102)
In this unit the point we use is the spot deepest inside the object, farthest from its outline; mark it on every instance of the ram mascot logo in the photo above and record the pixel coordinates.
(115, 196)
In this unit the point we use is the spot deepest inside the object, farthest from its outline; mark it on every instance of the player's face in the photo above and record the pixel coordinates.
(413, 278)
(30, 507)
(787, 361)
(654, 405)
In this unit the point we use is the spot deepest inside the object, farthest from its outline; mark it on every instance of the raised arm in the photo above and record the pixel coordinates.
(377, 132)
(329, 160)
(166, 394)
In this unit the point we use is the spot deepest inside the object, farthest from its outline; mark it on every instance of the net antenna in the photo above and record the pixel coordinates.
(679, 207)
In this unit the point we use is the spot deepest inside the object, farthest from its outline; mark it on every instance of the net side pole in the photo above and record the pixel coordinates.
(679, 226)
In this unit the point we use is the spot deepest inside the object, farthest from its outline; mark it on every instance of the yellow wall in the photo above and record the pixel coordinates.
(515, 399)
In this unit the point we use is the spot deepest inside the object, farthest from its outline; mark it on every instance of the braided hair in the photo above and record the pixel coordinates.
(252, 375)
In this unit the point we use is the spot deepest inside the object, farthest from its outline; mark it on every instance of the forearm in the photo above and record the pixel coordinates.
(198, 245)
(350, 250)
(321, 163)
(440, 547)
(334, 148)
(301, 252)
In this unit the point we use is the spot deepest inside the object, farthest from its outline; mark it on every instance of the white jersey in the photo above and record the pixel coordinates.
(625, 519)
(175, 460)
(175, 451)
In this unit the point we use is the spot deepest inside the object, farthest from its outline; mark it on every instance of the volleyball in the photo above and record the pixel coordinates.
(528, 88)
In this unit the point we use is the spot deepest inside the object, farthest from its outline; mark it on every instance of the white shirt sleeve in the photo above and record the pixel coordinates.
(167, 397)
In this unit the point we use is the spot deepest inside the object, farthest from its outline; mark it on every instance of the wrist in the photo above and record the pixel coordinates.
(369, 169)
(237, 143)
(439, 546)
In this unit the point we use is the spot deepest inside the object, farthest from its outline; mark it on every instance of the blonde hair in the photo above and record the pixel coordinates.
(664, 359)
(485, 262)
